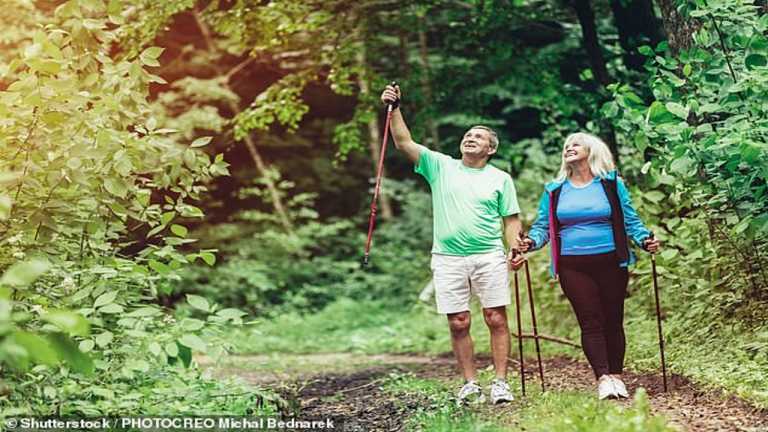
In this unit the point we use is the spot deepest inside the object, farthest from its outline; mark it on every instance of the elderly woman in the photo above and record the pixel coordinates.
(587, 217)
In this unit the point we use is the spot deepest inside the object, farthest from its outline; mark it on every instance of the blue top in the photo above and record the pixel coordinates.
(585, 219)
(634, 227)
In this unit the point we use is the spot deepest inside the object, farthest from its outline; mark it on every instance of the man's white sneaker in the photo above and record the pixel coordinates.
(470, 393)
(605, 388)
(500, 392)
(621, 389)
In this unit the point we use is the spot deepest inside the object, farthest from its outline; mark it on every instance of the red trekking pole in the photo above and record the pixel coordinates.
(377, 188)
(658, 318)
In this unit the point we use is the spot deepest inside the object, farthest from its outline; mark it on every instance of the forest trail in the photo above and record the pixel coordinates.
(347, 387)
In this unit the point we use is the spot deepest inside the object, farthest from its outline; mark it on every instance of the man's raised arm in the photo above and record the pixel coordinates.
(400, 132)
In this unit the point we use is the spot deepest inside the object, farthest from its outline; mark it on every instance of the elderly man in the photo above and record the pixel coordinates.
(473, 204)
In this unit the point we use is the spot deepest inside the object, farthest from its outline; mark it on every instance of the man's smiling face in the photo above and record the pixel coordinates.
(477, 143)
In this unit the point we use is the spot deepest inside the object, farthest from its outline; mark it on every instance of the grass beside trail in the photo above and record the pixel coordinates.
(549, 412)
(708, 357)
(366, 327)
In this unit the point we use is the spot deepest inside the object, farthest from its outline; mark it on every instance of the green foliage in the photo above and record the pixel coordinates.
(268, 271)
(705, 134)
(92, 225)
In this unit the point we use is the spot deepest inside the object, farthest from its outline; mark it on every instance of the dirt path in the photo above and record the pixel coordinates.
(346, 387)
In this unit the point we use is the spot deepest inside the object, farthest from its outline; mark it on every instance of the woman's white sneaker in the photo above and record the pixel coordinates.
(606, 388)
(621, 389)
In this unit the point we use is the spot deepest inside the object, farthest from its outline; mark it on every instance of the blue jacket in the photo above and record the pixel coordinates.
(625, 221)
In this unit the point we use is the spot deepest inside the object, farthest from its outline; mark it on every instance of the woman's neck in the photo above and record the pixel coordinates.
(581, 174)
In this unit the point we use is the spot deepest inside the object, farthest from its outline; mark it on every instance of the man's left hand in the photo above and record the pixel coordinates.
(515, 260)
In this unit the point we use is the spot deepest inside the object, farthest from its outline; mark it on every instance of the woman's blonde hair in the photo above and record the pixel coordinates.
(599, 157)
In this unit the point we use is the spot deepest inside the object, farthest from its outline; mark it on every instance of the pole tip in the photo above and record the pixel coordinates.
(365, 260)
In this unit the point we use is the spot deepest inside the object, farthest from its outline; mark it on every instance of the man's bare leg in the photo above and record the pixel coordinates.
(463, 347)
(496, 319)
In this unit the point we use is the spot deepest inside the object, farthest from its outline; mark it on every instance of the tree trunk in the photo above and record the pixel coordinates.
(637, 25)
(591, 42)
(596, 60)
(374, 136)
(404, 66)
(679, 30)
(261, 165)
(426, 84)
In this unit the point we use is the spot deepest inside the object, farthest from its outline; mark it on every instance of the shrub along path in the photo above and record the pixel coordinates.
(354, 389)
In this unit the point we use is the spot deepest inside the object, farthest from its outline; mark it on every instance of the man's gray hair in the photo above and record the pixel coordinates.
(494, 136)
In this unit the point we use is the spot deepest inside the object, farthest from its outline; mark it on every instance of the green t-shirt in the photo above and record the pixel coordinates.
(468, 204)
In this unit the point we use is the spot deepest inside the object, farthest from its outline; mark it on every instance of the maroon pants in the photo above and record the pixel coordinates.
(596, 287)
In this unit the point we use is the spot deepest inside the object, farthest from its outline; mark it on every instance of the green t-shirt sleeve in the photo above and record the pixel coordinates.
(508, 198)
(428, 164)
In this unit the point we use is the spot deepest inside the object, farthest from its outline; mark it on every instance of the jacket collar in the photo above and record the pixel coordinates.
(549, 187)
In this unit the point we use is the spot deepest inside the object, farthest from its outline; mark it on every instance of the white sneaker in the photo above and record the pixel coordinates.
(605, 388)
(500, 392)
(621, 389)
(470, 393)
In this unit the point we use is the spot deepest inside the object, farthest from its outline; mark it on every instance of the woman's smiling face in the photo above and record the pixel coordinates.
(575, 152)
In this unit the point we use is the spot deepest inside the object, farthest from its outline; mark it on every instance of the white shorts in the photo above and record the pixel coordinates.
(456, 278)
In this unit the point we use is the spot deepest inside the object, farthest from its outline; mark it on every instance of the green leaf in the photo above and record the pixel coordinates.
(646, 51)
(149, 56)
(193, 341)
(198, 302)
(167, 217)
(201, 142)
(755, 60)
(185, 355)
(144, 312)
(678, 110)
(658, 114)
(103, 392)
(192, 324)
(159, 267)
(682, 165)
(70, 322)
(172, 349)
(104, 339)
(115, 7)
(106, 298)
(668, 254)
(646, 167)
(654, 196)
(231, 313)
(68, 351)
(208, 257)
(116, 187)
(155, 348)
(38, 349)
(86, 345)
(179, 230)
(112, 308)
(24, 273)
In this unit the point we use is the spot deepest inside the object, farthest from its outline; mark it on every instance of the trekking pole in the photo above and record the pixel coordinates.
(377, 188)
(519, 330)
(658, 317)
(533, 321)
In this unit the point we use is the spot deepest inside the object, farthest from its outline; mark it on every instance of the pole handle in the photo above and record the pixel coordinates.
(396, 103)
